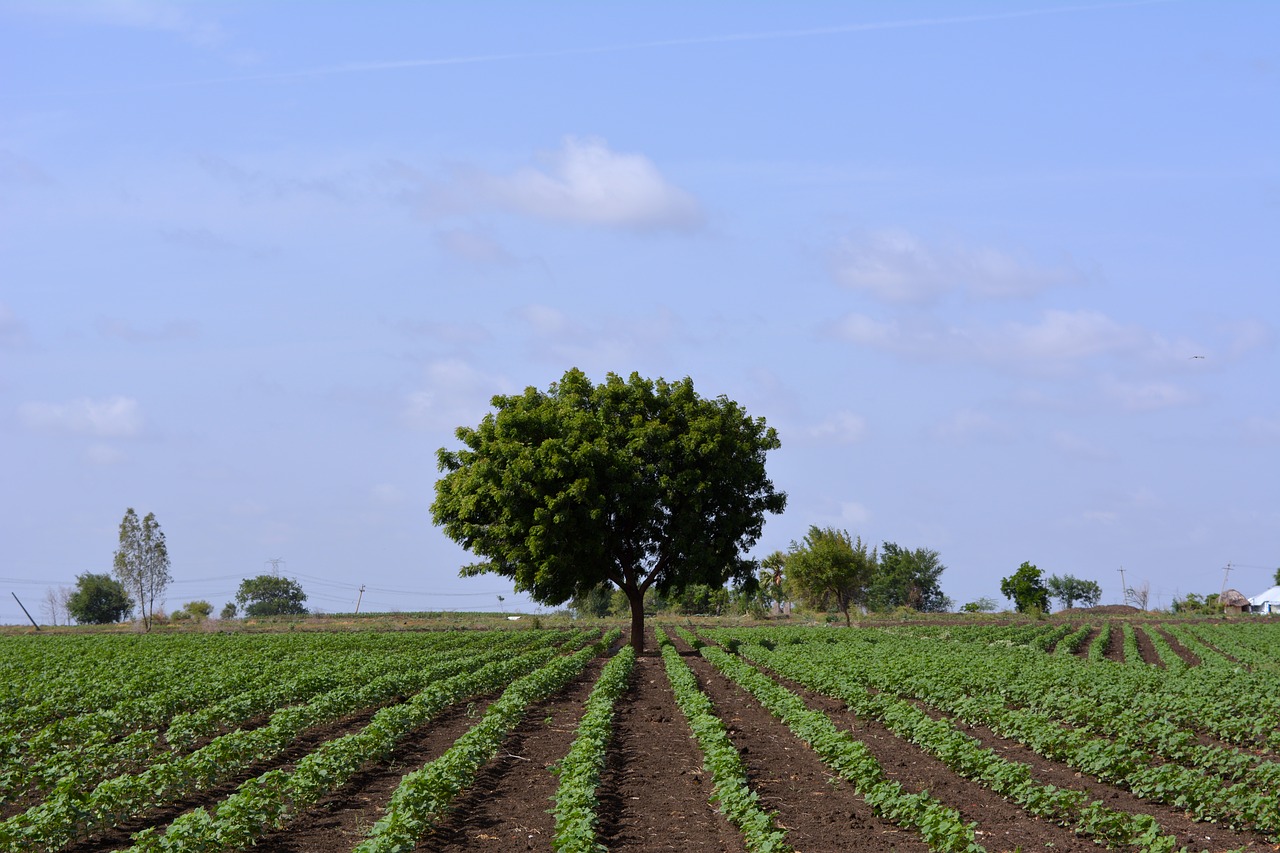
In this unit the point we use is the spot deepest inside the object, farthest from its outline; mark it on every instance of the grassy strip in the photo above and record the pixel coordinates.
(734, 797)
(942, 827)
(424, 794)
(579, 771)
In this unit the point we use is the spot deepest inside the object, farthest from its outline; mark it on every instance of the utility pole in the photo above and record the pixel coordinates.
(359, 598)
(1226, 570)
(24, 609)
(275, 566)
(1124, 590)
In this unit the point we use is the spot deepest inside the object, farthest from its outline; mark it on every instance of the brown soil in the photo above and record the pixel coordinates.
(340, 821)
(1197, 836)
(509, 806)
(822, 816)
(1188, 656)
(1002, 825)
(1115, 645)
(654, 794)
(1146, 648)
(1082, 650)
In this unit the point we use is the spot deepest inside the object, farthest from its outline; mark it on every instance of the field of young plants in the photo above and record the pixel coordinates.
(941, 735)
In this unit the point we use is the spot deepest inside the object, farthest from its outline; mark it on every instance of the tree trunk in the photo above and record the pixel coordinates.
(636, 598)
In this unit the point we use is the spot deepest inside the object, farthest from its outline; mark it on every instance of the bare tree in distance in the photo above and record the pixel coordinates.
(1139, 595)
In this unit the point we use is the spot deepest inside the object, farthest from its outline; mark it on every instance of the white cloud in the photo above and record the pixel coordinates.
(153, 15)
(113, 417)
(584, 181)
(587, 182)
(104, 454)
(897, 267)
(1055, 340)
(854, 513)
(454, 394)
(1062, 336)
(843, 427)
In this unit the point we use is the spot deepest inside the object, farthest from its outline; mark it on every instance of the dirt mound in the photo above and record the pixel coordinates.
(1103, 609)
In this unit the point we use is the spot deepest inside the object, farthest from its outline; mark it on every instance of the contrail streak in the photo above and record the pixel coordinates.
(770, 35)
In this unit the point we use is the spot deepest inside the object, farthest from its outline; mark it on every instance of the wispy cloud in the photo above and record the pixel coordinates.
(1055, 340)
(152, 15)
(606, 343)
(1148, 396)
(453, 393)
(156, 15)
(583, 181)
(898, 267)
(112, 417)
(842, 428)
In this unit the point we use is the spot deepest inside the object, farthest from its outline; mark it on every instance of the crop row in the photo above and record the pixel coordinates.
(272, 800)
(423, 795)
(967, 757)
(986, 689)
(73, 809)
(579, 771)
(942, 827)
(731, 792)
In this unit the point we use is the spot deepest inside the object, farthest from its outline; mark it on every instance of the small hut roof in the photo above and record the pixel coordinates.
(1233, 598)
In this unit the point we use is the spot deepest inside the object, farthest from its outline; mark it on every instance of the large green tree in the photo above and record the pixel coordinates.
(636, 482)
(142, 562)
(1069, 589)
(905, 578)
(99, 599)
(828, 568)
(271, 595)
(1025, 589)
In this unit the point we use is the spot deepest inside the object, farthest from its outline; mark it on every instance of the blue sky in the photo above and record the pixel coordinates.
(257, 261)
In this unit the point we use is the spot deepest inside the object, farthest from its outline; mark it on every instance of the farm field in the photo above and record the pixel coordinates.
(1086, 734)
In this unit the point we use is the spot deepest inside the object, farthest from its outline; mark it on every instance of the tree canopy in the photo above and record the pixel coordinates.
(1069, 590)
(142, 562)
(271, 595)
(639, 483)
(908, 579)
(1025, 589)
(98, 599)
(829, 568)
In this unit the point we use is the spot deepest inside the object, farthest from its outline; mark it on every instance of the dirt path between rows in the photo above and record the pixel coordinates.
(654, 795)
(1147, 649)
(508, 807)
(1188, 657)
(1002, 825)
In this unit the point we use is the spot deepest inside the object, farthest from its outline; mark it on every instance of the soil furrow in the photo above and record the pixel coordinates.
(655, 795)
(341, 820)
(509, 806)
